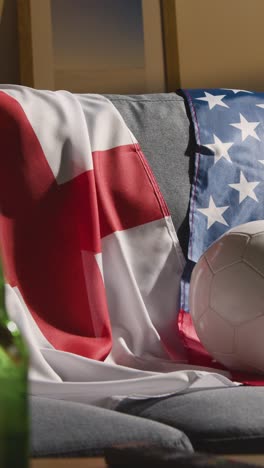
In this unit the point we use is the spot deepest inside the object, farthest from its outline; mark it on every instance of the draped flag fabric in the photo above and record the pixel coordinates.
(228, 185)
(92, 261)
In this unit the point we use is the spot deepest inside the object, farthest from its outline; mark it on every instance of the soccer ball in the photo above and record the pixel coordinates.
(227, 298)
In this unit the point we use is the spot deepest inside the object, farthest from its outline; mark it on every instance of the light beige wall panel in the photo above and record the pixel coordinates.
(221, 43)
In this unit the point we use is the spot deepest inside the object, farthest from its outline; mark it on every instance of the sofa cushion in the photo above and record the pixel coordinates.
(60, 428)
(226, 420)
(161, 124)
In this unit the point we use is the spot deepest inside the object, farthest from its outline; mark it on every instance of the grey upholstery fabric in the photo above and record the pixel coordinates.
(60, 428)
(224, 420)
(162, 127)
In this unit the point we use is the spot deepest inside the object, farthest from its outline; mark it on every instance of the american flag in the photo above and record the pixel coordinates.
(228, 184)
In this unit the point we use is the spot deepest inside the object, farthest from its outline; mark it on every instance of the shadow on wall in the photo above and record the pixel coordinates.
(9, 54)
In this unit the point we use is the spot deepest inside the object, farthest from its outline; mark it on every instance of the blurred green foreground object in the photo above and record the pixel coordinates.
(13, 391)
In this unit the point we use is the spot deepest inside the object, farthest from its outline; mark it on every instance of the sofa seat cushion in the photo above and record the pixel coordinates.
(226, 420)
(65, 429)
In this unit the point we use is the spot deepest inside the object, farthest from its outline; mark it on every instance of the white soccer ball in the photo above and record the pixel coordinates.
(227, 298)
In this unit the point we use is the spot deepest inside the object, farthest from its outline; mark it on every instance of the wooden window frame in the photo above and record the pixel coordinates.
(36, 48)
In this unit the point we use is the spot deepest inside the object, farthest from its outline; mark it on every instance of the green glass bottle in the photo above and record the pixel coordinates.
(13, 391)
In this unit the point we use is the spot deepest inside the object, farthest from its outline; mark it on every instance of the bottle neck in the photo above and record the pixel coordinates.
(3, 313)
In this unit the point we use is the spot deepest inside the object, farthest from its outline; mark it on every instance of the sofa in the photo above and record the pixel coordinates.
(220, 420)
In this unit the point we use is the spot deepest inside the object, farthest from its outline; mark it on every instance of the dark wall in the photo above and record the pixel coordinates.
(9, 56)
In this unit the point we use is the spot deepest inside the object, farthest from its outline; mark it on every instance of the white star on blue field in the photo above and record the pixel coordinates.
(228, 184)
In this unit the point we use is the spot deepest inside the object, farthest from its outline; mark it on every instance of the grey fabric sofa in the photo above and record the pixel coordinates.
(224, 420)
